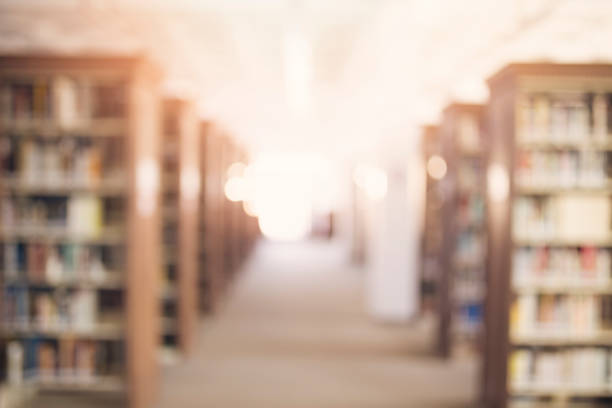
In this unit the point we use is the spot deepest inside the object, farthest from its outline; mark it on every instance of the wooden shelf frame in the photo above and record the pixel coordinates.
(431, 239)
(506, 87)
(227, 233)
(457, 154)
(181, 185)
(138, 131)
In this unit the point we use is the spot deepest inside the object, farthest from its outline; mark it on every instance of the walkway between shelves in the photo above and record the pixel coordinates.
(293, 334)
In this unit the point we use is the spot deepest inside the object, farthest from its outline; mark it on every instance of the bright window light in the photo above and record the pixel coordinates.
(284, 189)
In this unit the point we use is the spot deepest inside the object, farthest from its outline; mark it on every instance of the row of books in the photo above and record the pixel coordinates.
(469, 249)
(564, 117)
(579, 369)
(75, 310)
(80, 214)
(565, 169)
(572, 217)
(559, 266)
(64, 361)
(469, 317)
(60, 162)
(469, 289)
(54, 263)
(558, 315)
(470, 210)
(469, 174)
(69, 102)
(469, 133)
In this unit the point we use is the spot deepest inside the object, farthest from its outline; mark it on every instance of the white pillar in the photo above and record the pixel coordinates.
(394, 235)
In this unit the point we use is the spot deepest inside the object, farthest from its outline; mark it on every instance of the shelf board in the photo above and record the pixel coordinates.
(555, 242)
(170, 216)
(578, 289)
(169, 326)
(467, 330)
(109, 236)
(471, 152)
(528, 190)
(106, 284)
(471, 227)
(170, 182)
(101, 331)
(566, 391)
(65, 187)
(169, 292)
(169, 356)
(79, 384)
(603, 338)
(49, 128)
(592, 145)
(477, 264)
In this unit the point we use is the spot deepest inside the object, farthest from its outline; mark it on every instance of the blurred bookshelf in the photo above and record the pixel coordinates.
(180, 200)
(549, 300)
(78, 249)
(227, 233)
(431, 244)
(210, 275)
(463, 212)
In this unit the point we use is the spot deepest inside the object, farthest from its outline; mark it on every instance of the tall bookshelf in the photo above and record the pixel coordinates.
(463, 245)
(211, 279)
(432, 228)
(227, 233)
(180, 200)
(230, 221)
(79, 235)
(548, 311)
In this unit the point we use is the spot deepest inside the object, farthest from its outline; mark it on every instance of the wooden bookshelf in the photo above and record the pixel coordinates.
(431, 242)
(229, 156)
(548, 304)
(80, 234)
(181, 193)
(227, 233)
(463, 245)
(211, 279)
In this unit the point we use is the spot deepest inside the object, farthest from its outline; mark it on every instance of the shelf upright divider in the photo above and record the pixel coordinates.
(181, 184)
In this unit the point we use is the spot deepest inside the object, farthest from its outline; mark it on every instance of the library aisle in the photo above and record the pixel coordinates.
(293, 334)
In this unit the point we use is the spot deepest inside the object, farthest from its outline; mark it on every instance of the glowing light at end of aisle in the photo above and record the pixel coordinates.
(288, 221)
(284, 187)
(498, 182)
(234, 189)
(372, 180)
(436, 167)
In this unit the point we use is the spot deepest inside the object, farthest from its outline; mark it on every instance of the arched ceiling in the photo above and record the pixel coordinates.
(363, 74)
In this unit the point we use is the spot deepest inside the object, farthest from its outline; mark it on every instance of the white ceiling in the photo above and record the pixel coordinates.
(376, 70)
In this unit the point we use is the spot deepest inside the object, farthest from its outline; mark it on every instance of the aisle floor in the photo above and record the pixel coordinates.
(293, 334)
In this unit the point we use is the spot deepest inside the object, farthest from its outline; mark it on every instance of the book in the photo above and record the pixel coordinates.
(84, 215)
(65, 101)
(47, 362)
(85, 360)
(67, 356)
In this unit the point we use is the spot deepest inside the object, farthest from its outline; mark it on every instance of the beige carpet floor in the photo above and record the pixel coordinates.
(293, 334)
